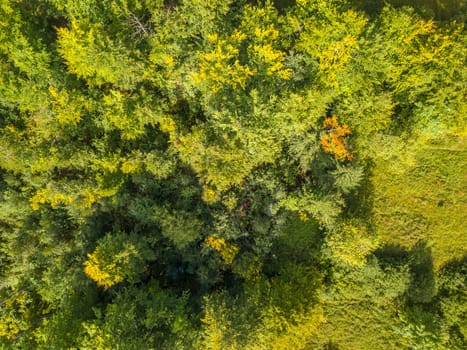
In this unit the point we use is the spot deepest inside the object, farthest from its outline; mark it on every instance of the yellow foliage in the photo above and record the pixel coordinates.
(303, 216)
(221, 66)
(169, 60)
(216, 327)
(121, 117)
(268, 33)
(332, 41)
(73, 47)
(213, 37)
(228, 251)
(65, 109)
(210, 195)
(266, 53)
(39, 198)
(273, 58)
(168, 125)
(130, 166)
(103, 273)
(108, 164)
(83, 199)
(47, 196)
(420, 27)
(92, 55)
(237, 36)
(11, 129)
(8, 327)
(295, 333)
(99, 338)
(336, 56)
(351, 243)
(89, 197)
(230, 201)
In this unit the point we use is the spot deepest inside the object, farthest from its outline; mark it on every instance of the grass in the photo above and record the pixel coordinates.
(420, 195)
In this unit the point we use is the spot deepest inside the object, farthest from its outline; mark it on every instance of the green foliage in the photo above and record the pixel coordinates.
(423, 288)
(141, 319)
(63, 328)
(350, 243)
(347, 178)
(364, 299)
(118, 257)
(228, 159)
(180, 227)
(453, 303)
(218, 174)
(263, 318)
(324, 210)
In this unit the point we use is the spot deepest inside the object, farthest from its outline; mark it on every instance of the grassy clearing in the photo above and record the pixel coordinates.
(420, 195)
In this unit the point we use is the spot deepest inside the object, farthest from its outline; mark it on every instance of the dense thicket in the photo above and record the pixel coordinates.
(232, 174)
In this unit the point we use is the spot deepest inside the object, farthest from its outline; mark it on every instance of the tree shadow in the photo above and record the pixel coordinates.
(283, 4)
(422, 288)
(392, 255)
(360, 201)
(441, 10)
(331, 346)
(419, 305)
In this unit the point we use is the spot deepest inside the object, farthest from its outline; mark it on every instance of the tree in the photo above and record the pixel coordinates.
(351, 243)
(170, 169)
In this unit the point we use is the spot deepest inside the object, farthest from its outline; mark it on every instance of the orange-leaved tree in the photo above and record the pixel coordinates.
(334, 140)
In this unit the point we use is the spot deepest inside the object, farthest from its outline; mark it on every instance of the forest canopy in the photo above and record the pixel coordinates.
(235, 174)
